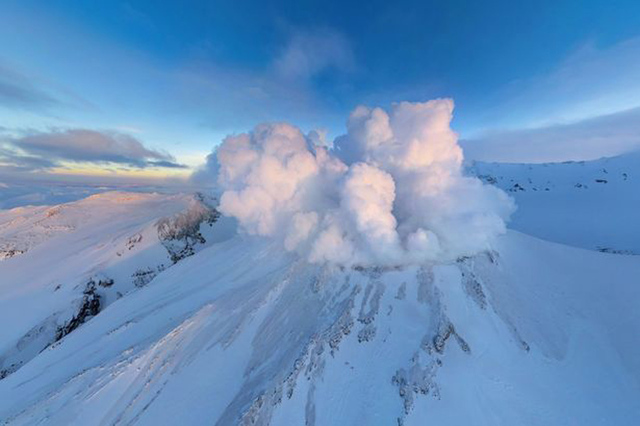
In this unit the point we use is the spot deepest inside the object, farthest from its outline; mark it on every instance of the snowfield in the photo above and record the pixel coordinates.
(229, 329)
(589, 204)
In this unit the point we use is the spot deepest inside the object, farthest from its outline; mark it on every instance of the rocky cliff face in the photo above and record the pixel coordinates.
(181, 234)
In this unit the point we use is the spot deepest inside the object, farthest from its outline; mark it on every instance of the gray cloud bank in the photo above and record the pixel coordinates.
(39, 151)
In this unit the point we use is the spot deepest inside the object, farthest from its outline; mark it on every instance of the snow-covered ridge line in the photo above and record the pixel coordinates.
(115, 243)
(517, 177)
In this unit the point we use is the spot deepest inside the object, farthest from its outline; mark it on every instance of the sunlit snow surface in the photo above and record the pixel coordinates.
(531, 333)
(52, 259)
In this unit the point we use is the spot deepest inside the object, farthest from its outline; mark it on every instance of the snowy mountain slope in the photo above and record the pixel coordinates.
(532, 333)
(65, 263)
(589, 204)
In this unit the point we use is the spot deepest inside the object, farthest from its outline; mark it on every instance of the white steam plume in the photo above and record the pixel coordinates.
(390, 192)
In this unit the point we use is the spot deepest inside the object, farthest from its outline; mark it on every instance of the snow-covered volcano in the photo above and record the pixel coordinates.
(369, 283)
(242, 332)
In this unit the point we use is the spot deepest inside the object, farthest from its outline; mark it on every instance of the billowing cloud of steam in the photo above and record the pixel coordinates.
(390, 192)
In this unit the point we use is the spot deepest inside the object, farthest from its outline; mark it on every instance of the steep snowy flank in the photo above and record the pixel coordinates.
(589, 204)
(64, 264)
(530, 333)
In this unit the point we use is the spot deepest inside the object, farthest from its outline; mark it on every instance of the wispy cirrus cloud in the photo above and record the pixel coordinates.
(21, 91)
(312, 52)
(18, 91)
(229, 98)
(591, 81)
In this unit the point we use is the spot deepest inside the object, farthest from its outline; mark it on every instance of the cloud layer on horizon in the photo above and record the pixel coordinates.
(603, 136)
(41, 151)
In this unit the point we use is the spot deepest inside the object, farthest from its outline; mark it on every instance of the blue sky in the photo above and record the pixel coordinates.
(166, 81)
